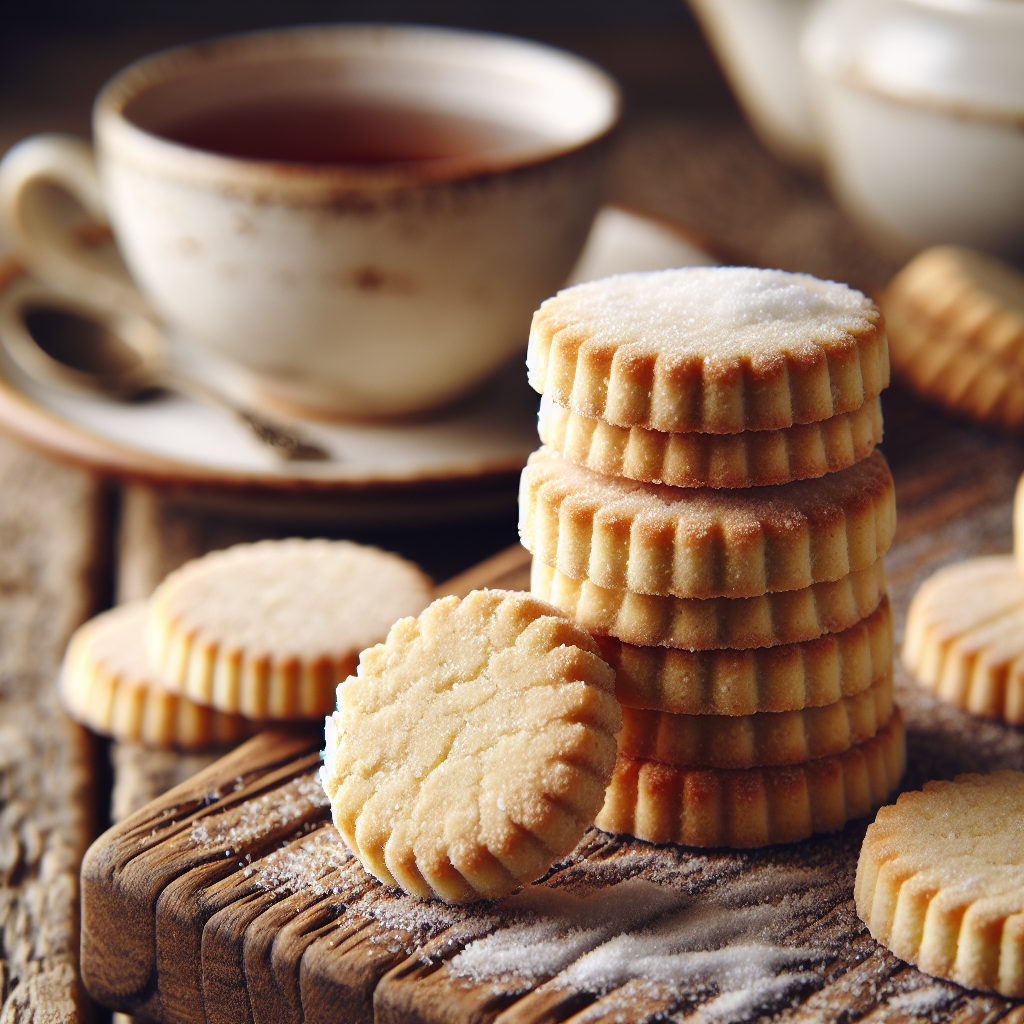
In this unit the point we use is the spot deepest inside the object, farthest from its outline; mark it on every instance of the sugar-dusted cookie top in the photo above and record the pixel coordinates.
(713, 349)
(940, 880)
(269, 629)
(702, 542)
(473, 748)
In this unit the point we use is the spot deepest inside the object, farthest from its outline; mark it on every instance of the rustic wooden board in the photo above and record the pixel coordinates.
(53, 543)
(231, 898)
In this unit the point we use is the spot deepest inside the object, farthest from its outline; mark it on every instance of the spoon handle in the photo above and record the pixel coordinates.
(287, 442)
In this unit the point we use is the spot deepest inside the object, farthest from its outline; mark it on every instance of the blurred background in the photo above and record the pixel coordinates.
(54, 55)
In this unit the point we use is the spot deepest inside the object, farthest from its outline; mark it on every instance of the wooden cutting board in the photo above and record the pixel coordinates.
(232, 898)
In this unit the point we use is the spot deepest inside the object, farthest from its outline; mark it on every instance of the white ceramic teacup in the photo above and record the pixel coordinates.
(388, 281)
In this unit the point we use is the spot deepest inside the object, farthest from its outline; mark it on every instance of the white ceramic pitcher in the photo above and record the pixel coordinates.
(915, 108)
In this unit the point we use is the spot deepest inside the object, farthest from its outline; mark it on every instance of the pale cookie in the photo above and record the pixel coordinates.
(760, 740)
(473, 748)
(747, 459)
(719, 622)
(1018, 525)
(710, 349)
(963, 294)
(784, 678)
(269, 629)
(702, 542)
(106, 683)
(747, 807)
(965, 380)
(940, 880)
(965, 637)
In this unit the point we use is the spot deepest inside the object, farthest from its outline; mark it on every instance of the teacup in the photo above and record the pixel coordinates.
(363, 218)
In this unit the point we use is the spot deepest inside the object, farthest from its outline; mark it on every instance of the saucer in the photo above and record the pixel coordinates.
(464, 457)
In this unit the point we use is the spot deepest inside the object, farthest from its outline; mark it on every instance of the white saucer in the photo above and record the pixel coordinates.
(468, 449)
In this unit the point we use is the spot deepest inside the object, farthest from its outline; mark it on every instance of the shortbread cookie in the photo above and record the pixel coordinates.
(269, 629)
(710, 349)
(963, 294)
(739, 622)
(784, 678)
(940, 880)
(702, 542)
(965, 637)
(747, 807)
(473, 748)
(968, 381)
(747, 459)
(106, 683)
(1018, 525)
(760, 740)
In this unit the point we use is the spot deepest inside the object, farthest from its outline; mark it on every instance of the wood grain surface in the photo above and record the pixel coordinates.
(244, 905)
(53, 547)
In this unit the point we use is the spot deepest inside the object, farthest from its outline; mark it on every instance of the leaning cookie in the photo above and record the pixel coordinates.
(751, 458)
(269, 629)
(709, 349)
(748, 807)
(785, 617)
(106, 684)
(703, 542)
(965, 637)
(473, 747)
(940, 880)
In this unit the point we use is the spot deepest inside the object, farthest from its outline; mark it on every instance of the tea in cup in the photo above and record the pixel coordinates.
(362, 218)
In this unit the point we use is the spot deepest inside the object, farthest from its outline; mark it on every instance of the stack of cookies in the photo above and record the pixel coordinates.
(709, 504)
(255, 632)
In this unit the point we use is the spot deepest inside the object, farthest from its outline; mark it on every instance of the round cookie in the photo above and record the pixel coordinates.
(269, 629)
(702, 542)
(786, 617)
(106, 684)
(967, 381)
(783, 678)
(760, 740)
(709, 349)
(965, 637)
(962, 294)
(940, 880)
(748, 807)
(751, 458)
(473, 747)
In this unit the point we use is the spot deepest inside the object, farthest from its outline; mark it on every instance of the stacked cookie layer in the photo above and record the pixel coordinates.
(710, 505)
(255, 632)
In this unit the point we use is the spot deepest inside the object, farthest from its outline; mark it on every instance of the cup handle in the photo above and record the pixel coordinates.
(52, 208)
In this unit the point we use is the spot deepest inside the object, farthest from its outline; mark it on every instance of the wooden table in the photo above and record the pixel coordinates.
(71, 544)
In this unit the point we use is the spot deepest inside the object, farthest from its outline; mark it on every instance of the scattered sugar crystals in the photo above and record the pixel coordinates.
(733, 948)
(305, 866)
(256, 818)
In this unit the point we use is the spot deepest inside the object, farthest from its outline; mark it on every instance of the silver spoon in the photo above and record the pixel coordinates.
(67, 341)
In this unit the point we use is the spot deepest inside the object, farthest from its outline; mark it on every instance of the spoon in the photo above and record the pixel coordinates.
(67, 341)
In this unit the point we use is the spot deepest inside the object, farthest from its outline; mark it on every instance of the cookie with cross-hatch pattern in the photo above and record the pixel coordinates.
(472, 749)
